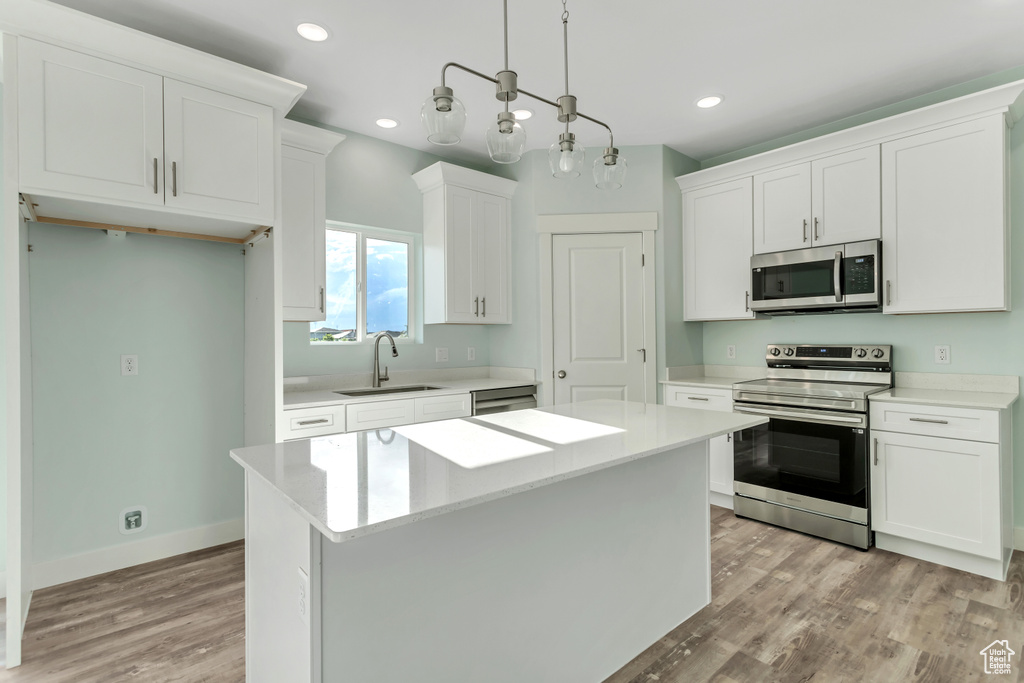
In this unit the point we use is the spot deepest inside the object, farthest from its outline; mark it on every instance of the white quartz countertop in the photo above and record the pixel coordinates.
(323, 397)
(705, 382)
(351, 485)
(947, 397)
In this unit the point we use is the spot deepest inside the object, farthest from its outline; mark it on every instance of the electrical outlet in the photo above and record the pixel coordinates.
(303, 596)
(730, 351)
(132, 519)
(441, 355)
(129, 365)
(471, 353)
(942, 354)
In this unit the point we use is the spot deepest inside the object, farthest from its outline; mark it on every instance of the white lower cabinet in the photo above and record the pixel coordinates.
(720, 466)
(303, 423)
(945, 500)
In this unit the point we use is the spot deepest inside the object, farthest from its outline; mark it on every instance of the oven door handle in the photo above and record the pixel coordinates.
(804, 417)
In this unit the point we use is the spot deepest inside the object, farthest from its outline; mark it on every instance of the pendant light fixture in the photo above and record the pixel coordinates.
(444, 117)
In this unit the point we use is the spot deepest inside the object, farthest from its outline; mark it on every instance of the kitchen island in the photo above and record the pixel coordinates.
(542, 545)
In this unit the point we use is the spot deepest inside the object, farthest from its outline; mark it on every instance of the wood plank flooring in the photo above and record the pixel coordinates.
(786, 608)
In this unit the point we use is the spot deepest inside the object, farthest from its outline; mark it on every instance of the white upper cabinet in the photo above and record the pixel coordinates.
(827, 201)
(104, 132)
(782, 209)
(303, 235)
(89, 127)
(846, 197)
(944, 228)
(467, 243)
(717, 225)
(219, 153)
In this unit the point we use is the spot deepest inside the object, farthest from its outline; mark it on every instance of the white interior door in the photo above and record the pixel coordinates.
(598, 317)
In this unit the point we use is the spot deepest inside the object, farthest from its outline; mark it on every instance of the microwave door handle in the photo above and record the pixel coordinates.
(837, 276)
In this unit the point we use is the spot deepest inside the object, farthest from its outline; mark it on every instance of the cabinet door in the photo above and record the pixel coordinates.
(303, 234)
(717, 224)
(944, 231)
(491, 282)
(721, 464)
(939, 491)
(219, 153)
(88, 127)
(846, 197)
(462, 304)
(782, 209)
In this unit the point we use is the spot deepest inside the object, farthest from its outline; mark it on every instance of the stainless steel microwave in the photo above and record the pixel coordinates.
(843, 277)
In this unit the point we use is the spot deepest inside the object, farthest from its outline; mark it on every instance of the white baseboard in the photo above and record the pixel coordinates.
(130, 554)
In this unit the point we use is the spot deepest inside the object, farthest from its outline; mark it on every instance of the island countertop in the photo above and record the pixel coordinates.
(351, 485)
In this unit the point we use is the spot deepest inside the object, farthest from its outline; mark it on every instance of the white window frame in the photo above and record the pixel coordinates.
(362, 232)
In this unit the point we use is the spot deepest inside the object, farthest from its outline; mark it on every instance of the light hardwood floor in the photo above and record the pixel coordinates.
(786, 607)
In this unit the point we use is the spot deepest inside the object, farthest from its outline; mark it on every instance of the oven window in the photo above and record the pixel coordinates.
(797, 281)
(805, 458)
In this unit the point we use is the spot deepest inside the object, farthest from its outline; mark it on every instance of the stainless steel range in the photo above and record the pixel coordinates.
(807, 468)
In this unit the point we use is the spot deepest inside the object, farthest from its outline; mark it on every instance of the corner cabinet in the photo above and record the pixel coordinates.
(944, 225)
(717, 225)
(467, 244)
(97, 131)
(302, 234)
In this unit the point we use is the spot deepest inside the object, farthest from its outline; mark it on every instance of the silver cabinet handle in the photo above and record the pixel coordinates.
(561, 374)
(876, 452)
(476, 307)
(836, 276)
(483, 307)
(815, 228)
(696, 398)
(747, 301)
(805, 230)
(156, 189)
(322, 300)
(174, 178)
(321, 421)
(888, 292)
(934, 422)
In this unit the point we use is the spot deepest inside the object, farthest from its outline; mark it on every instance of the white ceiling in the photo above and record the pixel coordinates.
(782, 65)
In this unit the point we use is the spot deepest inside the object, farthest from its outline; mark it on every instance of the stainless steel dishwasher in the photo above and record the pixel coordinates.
(491, 401)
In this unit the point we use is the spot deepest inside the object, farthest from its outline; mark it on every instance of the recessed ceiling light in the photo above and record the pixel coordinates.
(709, 101)
(522, 114)
(387, 123)
(313, 32)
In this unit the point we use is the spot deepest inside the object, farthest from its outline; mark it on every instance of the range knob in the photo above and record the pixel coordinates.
(861, 353)
(790, 351)
(774, 351)
(878, 353)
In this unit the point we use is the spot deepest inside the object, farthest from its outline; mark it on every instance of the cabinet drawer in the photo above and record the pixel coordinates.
(702, 399)
(379, 414)
(307, 422)
(432, 408)
(953, 423)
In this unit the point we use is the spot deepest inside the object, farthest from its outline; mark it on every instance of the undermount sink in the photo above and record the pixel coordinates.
(383, 390)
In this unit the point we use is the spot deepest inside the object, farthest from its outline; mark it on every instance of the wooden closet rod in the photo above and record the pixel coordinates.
(154, 231)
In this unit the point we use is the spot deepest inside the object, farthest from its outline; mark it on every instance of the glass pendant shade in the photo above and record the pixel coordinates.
(443, 127)
(609, 176)
(566, 163)
(506, 140)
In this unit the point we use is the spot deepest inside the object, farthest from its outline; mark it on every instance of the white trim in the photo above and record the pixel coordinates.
(564, 224)
(130, 554)
(309, 138)
(645, 223)
(443, 173)
(1002, 99)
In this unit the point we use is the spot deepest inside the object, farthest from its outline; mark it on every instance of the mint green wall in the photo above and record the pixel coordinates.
(103, 441)
(3, 366)
(369, 182)
(982, 343)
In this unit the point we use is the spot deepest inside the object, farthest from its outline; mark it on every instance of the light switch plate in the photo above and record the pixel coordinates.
(471, 353)
(441, 355)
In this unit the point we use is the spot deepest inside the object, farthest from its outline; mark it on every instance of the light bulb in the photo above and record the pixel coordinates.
(565, 157)
(565, 162)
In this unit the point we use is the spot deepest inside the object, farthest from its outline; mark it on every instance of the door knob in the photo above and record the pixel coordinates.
(561, 374)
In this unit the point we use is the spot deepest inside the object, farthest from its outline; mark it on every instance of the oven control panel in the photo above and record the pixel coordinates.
(808, 355)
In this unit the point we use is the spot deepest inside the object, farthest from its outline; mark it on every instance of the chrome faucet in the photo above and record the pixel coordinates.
(377, 378)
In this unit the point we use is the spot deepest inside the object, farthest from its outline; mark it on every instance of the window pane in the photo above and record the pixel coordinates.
(342, 295)
(387, 287)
